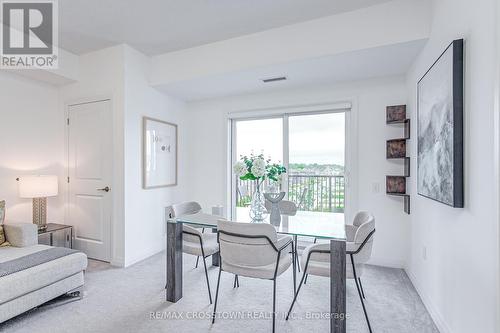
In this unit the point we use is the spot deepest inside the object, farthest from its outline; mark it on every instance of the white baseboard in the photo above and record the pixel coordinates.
(387, 263)
(436, 316)
(146, 255)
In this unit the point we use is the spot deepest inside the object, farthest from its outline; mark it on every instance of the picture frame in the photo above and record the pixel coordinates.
(395, 185)
(440, 96)
(396, 148)
(159, 157)
(395, 114)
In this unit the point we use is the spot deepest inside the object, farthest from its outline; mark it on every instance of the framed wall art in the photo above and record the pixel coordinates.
(159, 153)
(440, 128)
(395, 185)
(396, 148)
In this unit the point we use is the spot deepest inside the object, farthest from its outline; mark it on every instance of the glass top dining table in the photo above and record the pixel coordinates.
(327, 226)
(322, 225)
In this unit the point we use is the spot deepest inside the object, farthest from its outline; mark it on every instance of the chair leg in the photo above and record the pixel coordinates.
(274, 305)
(208, 282)
(236, 281)
(216, 296)
(296, 294)
(294, 264)
(359, 293)
(362, 291)
(305, 282)
(295, 240)
(198, 258)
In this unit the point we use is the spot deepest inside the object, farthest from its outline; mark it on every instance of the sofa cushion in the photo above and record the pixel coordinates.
(34, 278)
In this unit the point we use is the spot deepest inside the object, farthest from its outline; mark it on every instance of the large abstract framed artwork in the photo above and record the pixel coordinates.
(159, 153)
(440, 128)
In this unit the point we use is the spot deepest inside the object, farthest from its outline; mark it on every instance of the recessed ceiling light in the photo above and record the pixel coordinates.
(274, 79)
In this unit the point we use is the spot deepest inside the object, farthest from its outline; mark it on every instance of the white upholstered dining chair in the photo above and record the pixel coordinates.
(359, 242)
(195, 242)
(253, 250)
(188, 208)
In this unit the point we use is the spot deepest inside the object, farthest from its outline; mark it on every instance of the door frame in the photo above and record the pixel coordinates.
(350, 109)
(114, 260)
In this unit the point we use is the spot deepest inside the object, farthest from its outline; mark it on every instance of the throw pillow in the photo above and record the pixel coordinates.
(3, 240)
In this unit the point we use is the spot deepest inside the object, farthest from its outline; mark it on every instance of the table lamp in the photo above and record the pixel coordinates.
(38, 188)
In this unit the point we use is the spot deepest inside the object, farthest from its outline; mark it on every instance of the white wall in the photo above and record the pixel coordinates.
(34, 141)
(208, 151)
(31, 142)
(144, 209)
(458, 281)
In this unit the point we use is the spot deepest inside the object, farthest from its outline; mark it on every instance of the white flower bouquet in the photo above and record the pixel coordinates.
(258, 169)
(255, 167)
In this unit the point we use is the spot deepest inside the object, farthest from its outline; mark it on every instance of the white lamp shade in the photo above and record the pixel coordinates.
(38, 186)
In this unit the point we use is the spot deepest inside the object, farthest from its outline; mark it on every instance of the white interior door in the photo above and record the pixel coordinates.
(90, 175)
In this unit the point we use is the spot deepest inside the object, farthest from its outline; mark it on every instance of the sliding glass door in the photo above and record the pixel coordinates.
(312, 147)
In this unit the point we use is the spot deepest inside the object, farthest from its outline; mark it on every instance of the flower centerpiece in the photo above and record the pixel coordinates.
(256, 168)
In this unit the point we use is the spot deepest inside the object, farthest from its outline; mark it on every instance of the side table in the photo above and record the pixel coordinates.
(59, 235)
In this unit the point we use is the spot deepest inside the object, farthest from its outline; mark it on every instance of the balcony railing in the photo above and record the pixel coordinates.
(316, 193)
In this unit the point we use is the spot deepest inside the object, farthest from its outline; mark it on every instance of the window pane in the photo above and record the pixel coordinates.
(316, 162)
(263, 136)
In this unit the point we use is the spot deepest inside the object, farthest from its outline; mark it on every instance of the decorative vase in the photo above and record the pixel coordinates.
(274, 199)
(258, 210)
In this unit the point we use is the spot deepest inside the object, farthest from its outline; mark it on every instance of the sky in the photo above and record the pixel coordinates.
(316, 138)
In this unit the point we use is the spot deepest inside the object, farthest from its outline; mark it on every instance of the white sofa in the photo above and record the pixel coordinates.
(31, 287)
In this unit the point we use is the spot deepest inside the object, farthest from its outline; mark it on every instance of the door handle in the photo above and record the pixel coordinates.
(106, 189)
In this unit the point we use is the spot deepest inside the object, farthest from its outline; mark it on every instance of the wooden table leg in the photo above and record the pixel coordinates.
(174, 262)
(337, 286)
(215, 257)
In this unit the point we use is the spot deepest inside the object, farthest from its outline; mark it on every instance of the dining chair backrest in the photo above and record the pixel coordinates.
(361, 217)
(247, 244)
(186, 208)
(362, 232)
(286, 207)
(360, 235)
(365, 223)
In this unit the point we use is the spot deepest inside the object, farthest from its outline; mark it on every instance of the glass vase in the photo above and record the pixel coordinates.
(258, 210)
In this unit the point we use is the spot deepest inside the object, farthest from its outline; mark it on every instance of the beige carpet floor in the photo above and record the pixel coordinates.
(133, 300)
